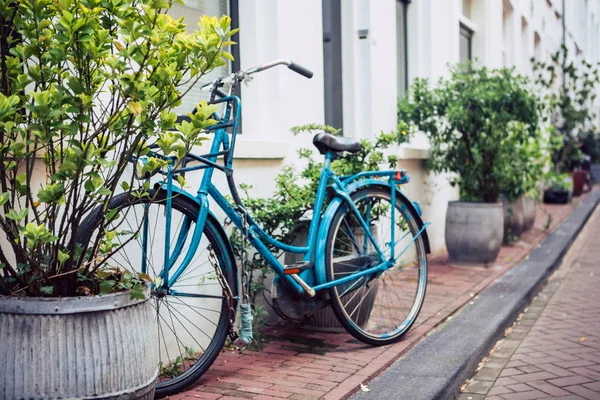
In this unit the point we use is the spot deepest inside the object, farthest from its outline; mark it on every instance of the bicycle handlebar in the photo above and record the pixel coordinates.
(240, 76)
(301, 70)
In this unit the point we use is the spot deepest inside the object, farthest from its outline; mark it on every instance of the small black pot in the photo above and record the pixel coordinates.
(553, 196)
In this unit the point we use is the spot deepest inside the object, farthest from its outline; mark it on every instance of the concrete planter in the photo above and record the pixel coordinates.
(529, 213)
(324, 319)
(474, 231)
(100, 347)
(514, 219)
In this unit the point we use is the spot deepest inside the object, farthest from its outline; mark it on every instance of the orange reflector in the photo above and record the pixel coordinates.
(398, 176)
(291, 271)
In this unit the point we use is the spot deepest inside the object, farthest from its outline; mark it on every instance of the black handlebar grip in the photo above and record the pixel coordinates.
(301, 70)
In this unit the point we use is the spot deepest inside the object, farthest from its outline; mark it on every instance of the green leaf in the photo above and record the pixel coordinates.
(160, 4)
(47, 290)
(17, 215)
(4, 198)
(137, 292)
(107, 287)
(62, 257)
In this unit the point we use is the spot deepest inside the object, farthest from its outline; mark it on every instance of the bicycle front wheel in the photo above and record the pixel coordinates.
(193, 312)
(378, 308)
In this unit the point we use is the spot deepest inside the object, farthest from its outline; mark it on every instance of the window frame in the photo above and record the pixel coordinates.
(467, 33)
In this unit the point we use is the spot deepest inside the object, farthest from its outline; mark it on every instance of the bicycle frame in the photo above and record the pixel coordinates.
(223, 146)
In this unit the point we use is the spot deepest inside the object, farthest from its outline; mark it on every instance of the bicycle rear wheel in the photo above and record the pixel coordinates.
(379, 308)
(193, 312)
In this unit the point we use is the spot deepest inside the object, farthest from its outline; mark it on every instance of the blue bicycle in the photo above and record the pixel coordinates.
(365, 254)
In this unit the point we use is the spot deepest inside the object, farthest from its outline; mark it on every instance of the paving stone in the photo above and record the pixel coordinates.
(479, 387)
(471, 396)
(557, 345)
(488, 374)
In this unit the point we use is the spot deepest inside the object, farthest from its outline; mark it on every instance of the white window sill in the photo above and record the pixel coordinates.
(467, 23)
(413, 152)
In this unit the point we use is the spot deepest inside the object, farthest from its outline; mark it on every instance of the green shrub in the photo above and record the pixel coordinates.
(569, 88)
(84, 86)
(482, 125)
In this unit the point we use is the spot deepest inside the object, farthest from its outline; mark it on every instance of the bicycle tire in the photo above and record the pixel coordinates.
(349, 251)
(192, 368)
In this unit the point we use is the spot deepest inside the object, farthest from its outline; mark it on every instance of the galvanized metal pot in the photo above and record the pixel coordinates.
(100, 347)
(474, 231)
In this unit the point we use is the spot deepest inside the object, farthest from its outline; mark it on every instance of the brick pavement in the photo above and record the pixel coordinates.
(553, 351)
(299, 364)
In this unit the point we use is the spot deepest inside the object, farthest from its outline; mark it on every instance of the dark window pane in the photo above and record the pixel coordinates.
(402, 44)
(465, 44)
(332, 63)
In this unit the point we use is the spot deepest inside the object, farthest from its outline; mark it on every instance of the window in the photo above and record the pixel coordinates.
(525, 43)
(466, 42)
(191, 11)
(332, 63)
(466, 8)
(537, 46)
(402, 46)
(507, 35)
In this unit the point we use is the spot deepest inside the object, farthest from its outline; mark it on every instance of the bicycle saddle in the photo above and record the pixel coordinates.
(325, 142)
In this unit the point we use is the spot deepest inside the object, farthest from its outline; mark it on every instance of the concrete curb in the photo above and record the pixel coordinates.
(437, 366)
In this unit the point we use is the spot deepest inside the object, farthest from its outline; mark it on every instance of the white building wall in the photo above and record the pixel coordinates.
(278, 100)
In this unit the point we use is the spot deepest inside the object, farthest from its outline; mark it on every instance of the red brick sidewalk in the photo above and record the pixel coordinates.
(299, 364)
(554, 349)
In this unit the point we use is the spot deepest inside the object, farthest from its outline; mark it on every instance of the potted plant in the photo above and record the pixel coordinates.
(590, 145)
(559, 188)
(569, 88)
(84, 86)
(520, 181)
(475, 120)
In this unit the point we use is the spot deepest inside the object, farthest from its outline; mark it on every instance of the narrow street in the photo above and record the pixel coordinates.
(553, 351)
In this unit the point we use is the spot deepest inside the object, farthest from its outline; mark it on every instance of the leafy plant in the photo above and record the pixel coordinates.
(482, 125)
(569, 88)
(85, 86)
(590, 145)
(559, 182)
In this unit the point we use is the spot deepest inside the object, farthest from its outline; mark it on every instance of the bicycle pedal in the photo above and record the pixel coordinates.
(296, 268)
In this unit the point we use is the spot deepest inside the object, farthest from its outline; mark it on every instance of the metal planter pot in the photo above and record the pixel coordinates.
(99, 347)
(474, 231)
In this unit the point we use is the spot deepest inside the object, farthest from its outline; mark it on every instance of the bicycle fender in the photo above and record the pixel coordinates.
(332, 208)
(221, 232)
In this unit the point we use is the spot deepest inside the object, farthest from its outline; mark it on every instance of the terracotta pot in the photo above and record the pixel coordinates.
(578, 182)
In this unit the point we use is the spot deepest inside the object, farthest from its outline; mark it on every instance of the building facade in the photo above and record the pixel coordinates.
(364, 54)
